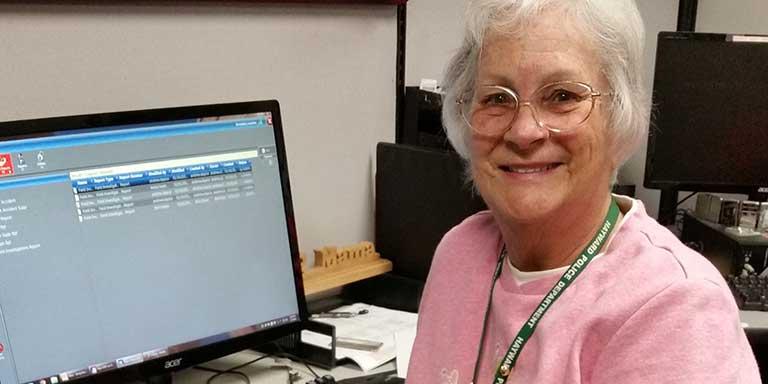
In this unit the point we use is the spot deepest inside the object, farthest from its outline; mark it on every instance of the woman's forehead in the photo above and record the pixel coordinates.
(540, 54)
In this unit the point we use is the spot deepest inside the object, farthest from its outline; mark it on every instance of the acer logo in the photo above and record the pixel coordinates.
(173, 363)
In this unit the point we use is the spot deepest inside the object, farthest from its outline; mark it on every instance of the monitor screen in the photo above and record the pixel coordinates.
(710, 96)
(132, 243)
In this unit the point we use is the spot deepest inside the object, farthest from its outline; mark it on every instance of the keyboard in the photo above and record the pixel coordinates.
(751, 292)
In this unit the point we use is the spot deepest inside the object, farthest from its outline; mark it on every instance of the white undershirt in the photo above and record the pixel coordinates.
(625, 203)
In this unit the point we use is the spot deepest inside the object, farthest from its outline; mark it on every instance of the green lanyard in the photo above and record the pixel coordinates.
(581, 262)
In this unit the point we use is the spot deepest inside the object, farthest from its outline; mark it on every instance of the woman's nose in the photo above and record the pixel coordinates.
(525, 130)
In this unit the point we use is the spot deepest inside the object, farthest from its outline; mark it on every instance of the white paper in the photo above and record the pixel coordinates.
(428, 85)
(404, 343)
(379, 324)
(749, 39)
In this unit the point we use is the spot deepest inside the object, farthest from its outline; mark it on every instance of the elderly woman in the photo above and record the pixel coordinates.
(561, 282)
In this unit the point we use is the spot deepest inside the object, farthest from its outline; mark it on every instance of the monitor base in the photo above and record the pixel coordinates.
(137, 378)
(293, 345)
(165, 378)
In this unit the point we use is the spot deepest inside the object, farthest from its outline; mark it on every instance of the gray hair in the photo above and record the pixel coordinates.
(613, 27)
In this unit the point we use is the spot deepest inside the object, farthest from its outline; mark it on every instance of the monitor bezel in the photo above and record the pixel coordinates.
(648, 178)
(39, 127)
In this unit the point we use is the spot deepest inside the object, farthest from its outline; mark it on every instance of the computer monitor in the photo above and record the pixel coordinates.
(143, 241)
(710, 95)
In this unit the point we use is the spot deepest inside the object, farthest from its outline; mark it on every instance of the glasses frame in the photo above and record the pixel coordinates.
(593, 94)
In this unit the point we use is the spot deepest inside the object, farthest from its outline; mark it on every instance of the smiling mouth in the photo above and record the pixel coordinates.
(526, 170)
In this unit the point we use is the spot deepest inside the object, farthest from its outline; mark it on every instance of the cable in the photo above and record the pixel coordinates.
(676, 214)
(234, 370)
(231, 371)
(686, 198)
(668, 215)
(220, 373)
(296, 358)
(249, 362)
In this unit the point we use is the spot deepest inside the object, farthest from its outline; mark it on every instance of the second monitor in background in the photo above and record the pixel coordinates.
(711, 124)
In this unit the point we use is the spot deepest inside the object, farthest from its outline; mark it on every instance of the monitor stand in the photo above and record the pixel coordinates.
(667, 206)
(165, 378)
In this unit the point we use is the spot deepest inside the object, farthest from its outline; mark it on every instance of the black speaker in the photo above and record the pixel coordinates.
(421, 193)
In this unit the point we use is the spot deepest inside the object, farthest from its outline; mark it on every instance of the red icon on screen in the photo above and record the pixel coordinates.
(6, 165)
(2, 348)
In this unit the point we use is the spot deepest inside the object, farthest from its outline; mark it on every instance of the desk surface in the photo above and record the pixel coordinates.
(754, 319)
(266, 371)
(751, 240)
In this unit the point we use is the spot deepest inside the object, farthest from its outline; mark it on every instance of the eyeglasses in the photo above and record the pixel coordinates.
(559, 107)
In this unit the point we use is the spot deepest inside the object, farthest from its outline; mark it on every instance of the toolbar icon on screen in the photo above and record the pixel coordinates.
(6, 166)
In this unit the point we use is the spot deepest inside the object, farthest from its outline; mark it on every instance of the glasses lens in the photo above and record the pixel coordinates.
(492, 110)
(563, 106)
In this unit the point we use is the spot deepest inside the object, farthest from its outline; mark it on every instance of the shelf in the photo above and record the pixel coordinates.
(323, 280)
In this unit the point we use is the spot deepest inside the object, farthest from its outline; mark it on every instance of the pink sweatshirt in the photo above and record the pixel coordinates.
(647, 310)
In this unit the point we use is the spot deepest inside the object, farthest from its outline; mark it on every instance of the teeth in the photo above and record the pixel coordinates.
(531, 170)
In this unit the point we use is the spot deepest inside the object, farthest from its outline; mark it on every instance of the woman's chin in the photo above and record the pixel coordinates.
(528, 208)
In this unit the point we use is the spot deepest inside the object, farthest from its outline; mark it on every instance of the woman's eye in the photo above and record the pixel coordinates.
(498, 99)
(562, 96)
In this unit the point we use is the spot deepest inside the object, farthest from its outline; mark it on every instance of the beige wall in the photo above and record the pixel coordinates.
(331, 67)
(433, 35)
(740, 16)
